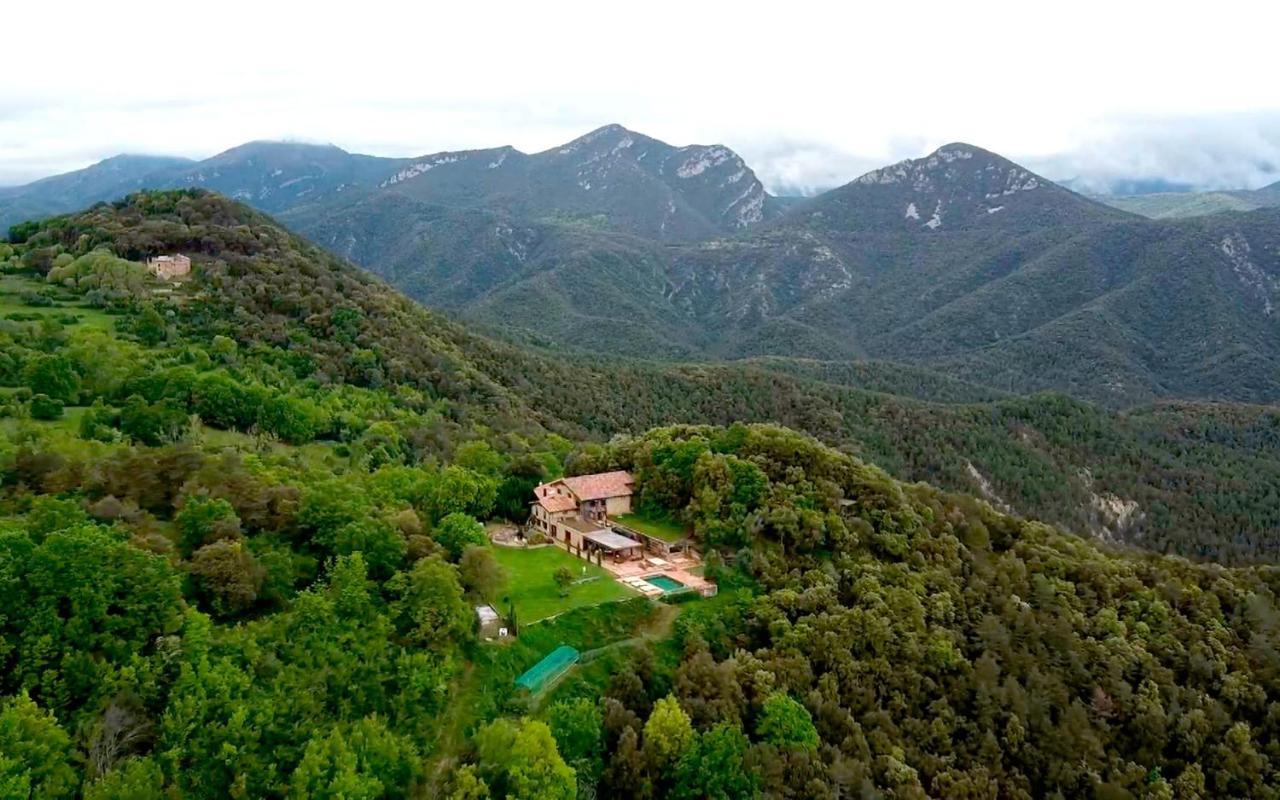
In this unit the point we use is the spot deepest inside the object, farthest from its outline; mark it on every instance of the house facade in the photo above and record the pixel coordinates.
(169, 267)
(575, 512)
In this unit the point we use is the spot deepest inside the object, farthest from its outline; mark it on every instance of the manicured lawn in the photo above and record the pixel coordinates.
(533, 589)
(664, 528)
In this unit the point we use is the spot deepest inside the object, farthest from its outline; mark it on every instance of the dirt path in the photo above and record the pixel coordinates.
(657, 628)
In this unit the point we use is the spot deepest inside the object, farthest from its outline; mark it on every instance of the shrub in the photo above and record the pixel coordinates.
(45, 407)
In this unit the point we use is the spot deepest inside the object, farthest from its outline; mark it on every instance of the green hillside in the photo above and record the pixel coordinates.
(321, 327)
(240, 543)
(960, 262)
(1175, 205)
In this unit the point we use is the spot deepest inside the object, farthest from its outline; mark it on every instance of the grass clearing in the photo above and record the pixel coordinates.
(532, 587)
(12, 287)
(661, 526)
(69, 422)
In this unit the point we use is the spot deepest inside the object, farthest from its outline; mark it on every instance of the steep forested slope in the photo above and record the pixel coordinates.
(939, 649)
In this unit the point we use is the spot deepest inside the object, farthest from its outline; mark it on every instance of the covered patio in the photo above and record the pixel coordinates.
(619, 548)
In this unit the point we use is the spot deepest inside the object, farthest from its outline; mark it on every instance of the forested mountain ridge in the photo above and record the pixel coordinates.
(1175, 205)
(109, 179)
(610, 177)
(238, 516)
(961, 261)
(956, 186)
(275, 176)
(625, 180)
(1198, 478)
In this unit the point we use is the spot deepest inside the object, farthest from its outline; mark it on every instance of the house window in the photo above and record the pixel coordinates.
(553, 531)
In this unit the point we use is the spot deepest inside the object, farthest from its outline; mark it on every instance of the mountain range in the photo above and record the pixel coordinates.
(1199, 479)
(1174, 205)
(962, 262)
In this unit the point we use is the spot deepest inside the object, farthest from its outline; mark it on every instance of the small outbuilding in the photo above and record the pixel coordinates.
(491, 624)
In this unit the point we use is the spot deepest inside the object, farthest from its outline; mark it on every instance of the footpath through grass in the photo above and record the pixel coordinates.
(532, 587)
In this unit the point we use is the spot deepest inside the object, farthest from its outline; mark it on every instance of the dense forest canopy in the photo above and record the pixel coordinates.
(240, 542)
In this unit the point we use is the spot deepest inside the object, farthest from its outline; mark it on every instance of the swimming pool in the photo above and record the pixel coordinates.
(664, 582)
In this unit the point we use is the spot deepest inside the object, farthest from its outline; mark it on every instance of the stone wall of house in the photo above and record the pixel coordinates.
(169, 267)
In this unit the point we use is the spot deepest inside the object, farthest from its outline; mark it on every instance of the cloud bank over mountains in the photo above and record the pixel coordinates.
(812, 98)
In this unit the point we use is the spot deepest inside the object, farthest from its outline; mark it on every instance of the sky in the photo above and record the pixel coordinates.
(811, 94)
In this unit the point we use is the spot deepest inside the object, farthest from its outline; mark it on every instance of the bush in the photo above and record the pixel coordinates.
(45, 407)
(203, 521)
(676, 598)
(35, 299)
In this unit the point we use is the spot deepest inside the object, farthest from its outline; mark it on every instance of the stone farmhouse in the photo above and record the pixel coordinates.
(585, 515)
(575, 512)
(169, 267)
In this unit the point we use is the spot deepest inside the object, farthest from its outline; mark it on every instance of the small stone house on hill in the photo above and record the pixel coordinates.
(169, 267)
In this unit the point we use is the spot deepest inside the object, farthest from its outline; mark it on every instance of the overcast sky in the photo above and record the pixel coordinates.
(812, 94)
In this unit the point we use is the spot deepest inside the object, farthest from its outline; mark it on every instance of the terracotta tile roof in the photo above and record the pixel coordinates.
(555, 503)
(601, 485)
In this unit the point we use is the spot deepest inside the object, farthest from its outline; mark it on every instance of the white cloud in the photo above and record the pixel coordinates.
(1226, 151)
(844, 87)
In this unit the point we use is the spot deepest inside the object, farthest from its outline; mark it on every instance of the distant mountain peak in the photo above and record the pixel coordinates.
(612, 134)
(280, 144)
(956, 164)
(142, 158)
(957, 186)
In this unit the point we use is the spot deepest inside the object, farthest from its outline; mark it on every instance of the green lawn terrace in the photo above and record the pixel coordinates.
(531, 584)
(654, 526)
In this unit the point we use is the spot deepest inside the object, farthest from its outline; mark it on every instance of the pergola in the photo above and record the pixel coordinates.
(621, 548)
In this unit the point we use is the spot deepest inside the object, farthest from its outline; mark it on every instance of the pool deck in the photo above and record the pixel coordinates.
(677, 567)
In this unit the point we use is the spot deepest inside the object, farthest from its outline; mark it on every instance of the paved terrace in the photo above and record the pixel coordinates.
(678, 567)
